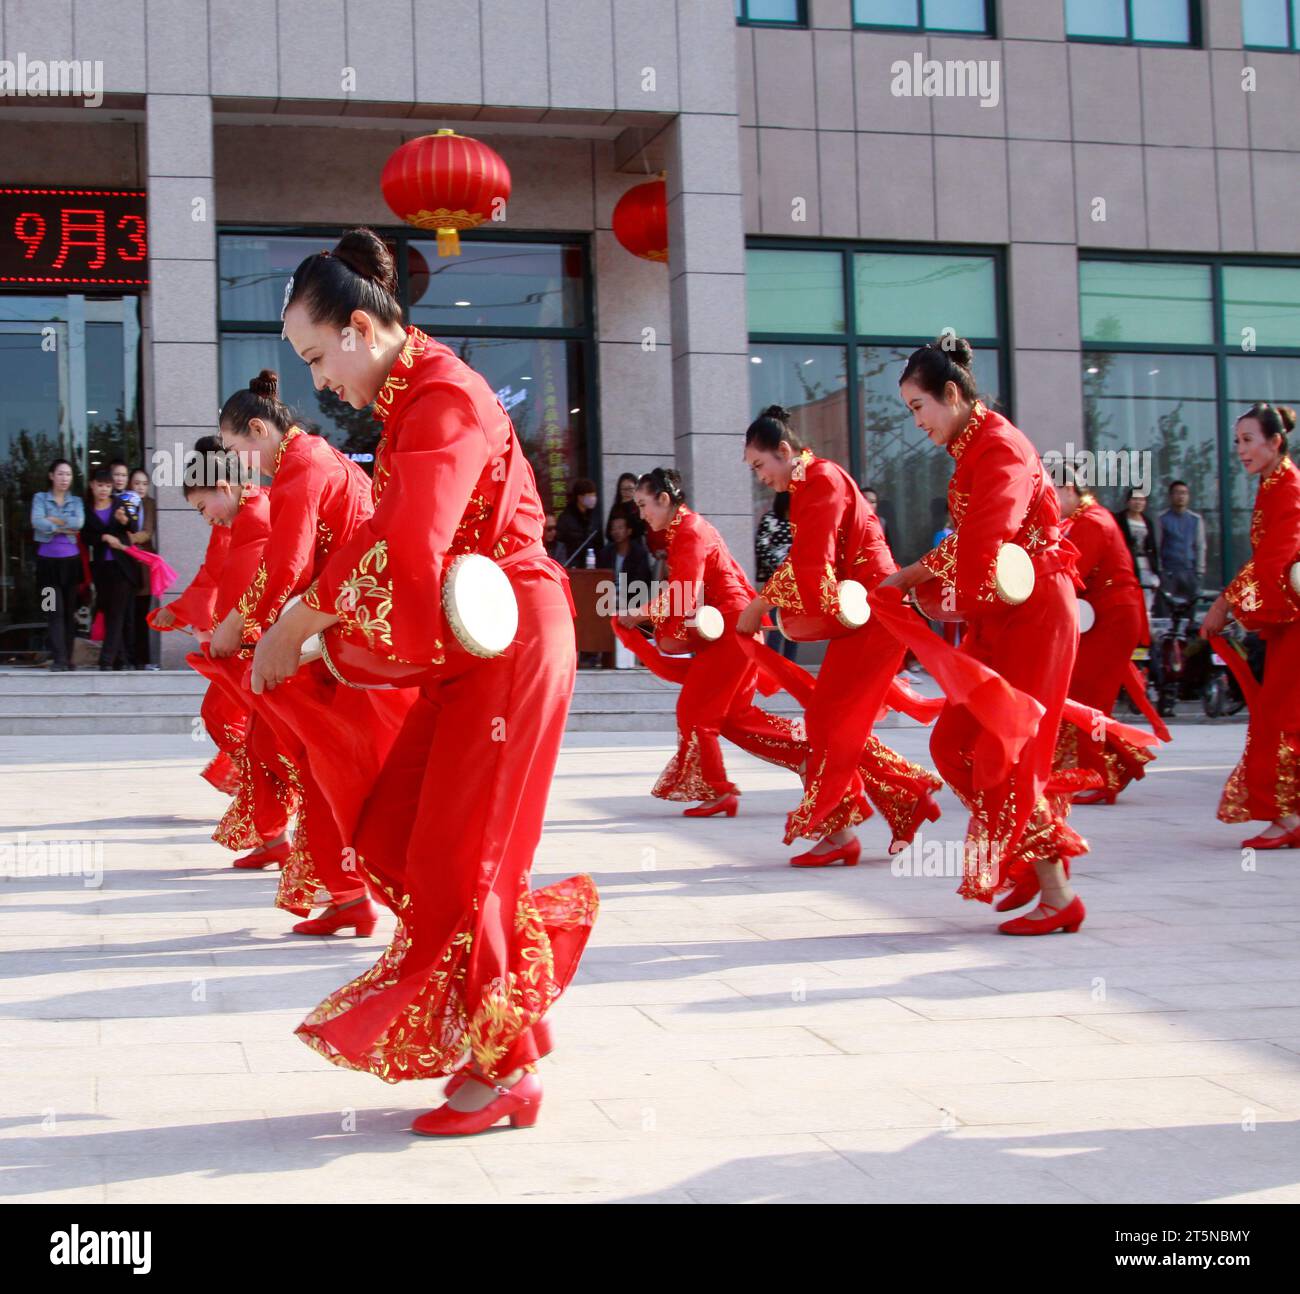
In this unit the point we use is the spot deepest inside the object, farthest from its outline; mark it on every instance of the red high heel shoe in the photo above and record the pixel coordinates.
(1099, 796)
(1018, 897)
(541, 1036)
(264, 857)
(728, 805)
(521, 1104)
(1068, 918)
(926, 810)
(361, 916)
(1287, 840)
(847, 854)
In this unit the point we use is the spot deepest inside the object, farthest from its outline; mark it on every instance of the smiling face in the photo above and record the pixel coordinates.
(940, 419)
(61, 479)
(772, 467)
(255, 445)
(1258, 454)
(218, 505)
(351, 362)
(656, 510)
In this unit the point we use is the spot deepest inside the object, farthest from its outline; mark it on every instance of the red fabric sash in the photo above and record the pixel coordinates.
(1238, 668)
(1136, 687)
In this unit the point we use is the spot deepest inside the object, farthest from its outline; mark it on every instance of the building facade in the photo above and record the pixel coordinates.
(1102, 197)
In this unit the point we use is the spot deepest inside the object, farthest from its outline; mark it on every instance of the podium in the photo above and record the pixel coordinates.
(594, 631)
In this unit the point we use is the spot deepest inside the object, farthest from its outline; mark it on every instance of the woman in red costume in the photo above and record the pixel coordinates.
(317, 500)
(448, 835)
(1265, 598)
(719, 679)
(837, 536)
(1104, 664)
(258, 817)
(1018, 839)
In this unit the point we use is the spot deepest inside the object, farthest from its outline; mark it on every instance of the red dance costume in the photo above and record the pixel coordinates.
(999, 494)
(448, 834)
(837, 536)
(1266, 782)
(1105, 660)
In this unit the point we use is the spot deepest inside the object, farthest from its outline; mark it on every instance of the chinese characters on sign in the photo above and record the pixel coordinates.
(73, 237)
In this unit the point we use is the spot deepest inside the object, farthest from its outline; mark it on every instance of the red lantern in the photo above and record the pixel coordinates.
(641, 221)
(445, 182)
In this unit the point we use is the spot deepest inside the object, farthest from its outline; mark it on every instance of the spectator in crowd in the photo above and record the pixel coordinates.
(121, 475)
(943, 532)
(144, 640)
(1140, 537)
(629, 559)
(578, 527)
(624, 505)
(57, 518)
(116, 576)
(872, 497)
(554, 549)
(771, 547)
(1180, 541)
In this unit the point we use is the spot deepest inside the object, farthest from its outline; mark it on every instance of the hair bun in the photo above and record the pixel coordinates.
(209, 445)
(776, 411)
(958, 349)
(1287, 414)
(366, 254)
(266, 384)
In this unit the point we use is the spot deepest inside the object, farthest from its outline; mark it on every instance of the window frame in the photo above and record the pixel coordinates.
(1292, 28)
(989, 32)
(798, 23)
(851, 340)
(584, 334)
(1219, 348)
(1195, 32)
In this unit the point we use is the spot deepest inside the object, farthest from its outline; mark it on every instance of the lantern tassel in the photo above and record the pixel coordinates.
(448, 242)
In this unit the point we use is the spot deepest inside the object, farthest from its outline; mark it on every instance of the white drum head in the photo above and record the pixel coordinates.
(854, 610)
(1014, 574)
(1295, 578)
(480, 605)
(1087, 616)
(708, 623)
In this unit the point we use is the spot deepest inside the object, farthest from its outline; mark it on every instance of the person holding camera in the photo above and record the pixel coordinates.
(107, 536)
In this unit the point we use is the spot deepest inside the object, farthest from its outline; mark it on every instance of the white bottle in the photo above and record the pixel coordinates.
(591, 559)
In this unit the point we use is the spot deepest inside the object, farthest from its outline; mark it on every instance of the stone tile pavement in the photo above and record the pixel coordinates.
(740, 1031)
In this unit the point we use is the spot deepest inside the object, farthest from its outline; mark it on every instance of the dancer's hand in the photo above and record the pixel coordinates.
(907, 577)
(279, 652)
(164, 618)
(1215, 618)
(227, 636)
(751, 618)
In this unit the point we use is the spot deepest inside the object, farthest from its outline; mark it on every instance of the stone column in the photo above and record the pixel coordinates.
(706, 238)
(181, 395)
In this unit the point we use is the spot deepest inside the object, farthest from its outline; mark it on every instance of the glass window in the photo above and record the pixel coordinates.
(497, 284)
(887, 13)
(956, 15)
(253, 269)
(904, 295)
(788, 13)
(1264, 299)
(909, 475)
(1271, 378)
(1145, 302)
(1164, 406)
(1268, 24)
(1161, 22)
(795, 291)
(923, 15)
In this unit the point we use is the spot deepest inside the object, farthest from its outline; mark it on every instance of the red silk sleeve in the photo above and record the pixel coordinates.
(248, 538)
(806, 581)
(999, 502)
(385, 583)
(687, 553)
(1261, 595)
(287, 558)
(194, 607)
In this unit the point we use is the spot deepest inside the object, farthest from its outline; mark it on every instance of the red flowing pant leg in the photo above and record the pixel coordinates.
(1099, 671)
(718, 674)
(1033, 647)
(478, 958)
(1265, 785)
(225, 723)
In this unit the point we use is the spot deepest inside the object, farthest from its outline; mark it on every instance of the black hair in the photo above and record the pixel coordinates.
(1173, 485)
(934, 365)
(117, 462)
(99, 475)
(60, 462)
(770, 428)
(1274, 419)
(359, 274)
(207, 465)
(663, 480)
(781, 505)
(259, 399)
(1131, 491)
(581, 486)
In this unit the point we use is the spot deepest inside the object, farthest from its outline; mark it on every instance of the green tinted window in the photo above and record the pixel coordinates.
(919, 296)
(794, 291)
(1144, 301)
(1264, 299)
